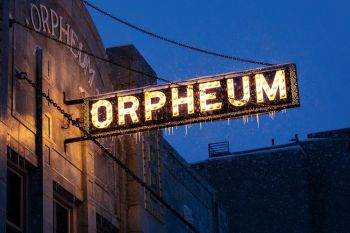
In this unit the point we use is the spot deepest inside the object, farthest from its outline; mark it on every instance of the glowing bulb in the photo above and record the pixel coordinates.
(176, 101)
(122, 111)
(94, 114)
(231, 92)
(279, 82)
(149, 107)
(204, 106)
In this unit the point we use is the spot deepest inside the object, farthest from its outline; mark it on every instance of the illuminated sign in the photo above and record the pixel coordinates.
(198, 100)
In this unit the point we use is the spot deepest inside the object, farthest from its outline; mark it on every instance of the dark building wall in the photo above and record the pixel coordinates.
(330, 183)
(261, 191)
(129, 56)
(189, 193)
(4, 12)
(300, 187)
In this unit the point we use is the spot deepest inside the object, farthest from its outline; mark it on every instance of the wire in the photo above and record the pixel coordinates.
(23, 76)
(105, 59)
(174, 42)
(92, 54)
(96, 56)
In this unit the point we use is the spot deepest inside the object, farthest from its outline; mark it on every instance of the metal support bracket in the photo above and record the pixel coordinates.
(71, 102)
(73, 140)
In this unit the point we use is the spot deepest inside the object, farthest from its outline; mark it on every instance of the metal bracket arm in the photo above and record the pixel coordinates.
(71, 102)
(73, 140)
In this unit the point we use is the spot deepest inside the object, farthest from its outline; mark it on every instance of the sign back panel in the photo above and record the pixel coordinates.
(202, 99)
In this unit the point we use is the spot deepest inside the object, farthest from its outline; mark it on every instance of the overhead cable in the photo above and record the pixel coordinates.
(174, 42)
(90, 53)
(100, 57)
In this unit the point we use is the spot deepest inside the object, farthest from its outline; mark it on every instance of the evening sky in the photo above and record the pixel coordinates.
(313, 34)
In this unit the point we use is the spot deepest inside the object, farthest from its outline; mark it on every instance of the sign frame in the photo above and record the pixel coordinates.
(259, 109)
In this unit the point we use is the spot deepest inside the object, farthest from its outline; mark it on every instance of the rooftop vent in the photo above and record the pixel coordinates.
(217, 149)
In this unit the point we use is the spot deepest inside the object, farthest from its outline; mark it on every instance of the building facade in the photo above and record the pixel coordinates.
(47, 186)
(299, 187)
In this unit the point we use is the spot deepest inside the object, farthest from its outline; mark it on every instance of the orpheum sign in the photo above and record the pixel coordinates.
(209, 98)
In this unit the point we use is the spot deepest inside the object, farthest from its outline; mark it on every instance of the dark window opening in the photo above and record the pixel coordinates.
(104, 226)
(15, 194)
(61, 218)
(153, 168)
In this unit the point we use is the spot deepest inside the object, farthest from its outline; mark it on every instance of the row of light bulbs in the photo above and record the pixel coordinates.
(261, 87)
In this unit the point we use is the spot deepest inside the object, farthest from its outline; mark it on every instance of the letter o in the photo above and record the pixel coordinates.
(34, 7)
(94, 114)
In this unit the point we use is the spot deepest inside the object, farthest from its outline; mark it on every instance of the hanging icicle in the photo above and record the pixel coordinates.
(272, 115)
(228, 121)
(245, 119)
(257, 120)
(186, 129)
(200, 125)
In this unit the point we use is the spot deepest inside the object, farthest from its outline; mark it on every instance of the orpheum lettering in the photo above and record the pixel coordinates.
(204, 99)
(48, 21)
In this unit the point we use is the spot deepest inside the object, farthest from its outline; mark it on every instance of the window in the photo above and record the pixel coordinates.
(104, 226)
(153, 167)
(61, 218)
(152, 174)
(15, 202)
(64, 210)
(47, 125)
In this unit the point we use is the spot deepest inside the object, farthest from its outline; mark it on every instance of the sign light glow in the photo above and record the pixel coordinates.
(203, 99)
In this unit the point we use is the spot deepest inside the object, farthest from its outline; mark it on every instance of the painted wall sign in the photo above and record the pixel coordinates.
(203, 99)
(47, 20)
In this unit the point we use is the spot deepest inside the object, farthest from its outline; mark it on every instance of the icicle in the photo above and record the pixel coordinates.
(228, 121)
(245, 119)
(186, 129)
(200, 125)
(257, 120)
(169, 131)
(272, 114)
(172, 130)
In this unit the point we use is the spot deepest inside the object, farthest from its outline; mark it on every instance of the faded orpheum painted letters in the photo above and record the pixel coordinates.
(47, 21)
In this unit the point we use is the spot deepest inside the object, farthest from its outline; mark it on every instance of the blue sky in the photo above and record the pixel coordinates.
(313, 34)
